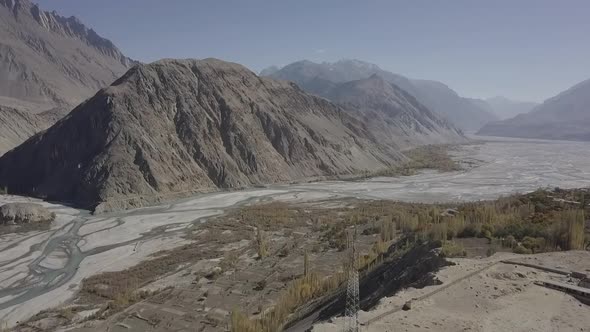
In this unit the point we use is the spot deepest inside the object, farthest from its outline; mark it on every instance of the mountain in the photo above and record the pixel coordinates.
(565, 116)
(16, 126)
(463, 112)
(505, 108)
(484, 105)
(179, 126)
(269, 71)
(47, 60)
(320, 78)
(393, 115)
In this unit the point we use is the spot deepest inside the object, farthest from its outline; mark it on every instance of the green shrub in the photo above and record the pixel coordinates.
(261, 244)
(509, 241)
(534, 244)
(469, 231)
(573, 224)
(486, 231)
(521, 230)
(452, 249)
(487, 235)
(521, 250)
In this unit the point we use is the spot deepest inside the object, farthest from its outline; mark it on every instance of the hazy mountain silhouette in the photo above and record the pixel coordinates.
(565, 116)
(319, 78)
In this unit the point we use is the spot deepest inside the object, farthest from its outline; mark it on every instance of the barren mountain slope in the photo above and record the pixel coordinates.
(48, 60)
(393, 115)
(16, 126)
(178, 126)
(461, 111)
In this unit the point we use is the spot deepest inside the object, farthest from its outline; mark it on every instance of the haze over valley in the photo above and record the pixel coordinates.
(408, 166)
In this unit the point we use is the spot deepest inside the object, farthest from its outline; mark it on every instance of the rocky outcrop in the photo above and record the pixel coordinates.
(24, 213)
(47, 60)
(180, 126)
(563, 117)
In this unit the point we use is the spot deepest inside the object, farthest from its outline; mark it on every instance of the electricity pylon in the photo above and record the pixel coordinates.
(351, 312)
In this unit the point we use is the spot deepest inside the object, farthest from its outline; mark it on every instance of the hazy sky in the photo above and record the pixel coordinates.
(522, 49)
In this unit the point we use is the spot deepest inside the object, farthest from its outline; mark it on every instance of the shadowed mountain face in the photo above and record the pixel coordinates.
(392, 114)
(177, 126)
(47, 60)
(565, 116)
(16, 126)
(321, 78)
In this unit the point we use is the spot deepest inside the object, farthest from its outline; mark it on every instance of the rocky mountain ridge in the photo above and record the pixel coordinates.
(179, 126)
(48, 60)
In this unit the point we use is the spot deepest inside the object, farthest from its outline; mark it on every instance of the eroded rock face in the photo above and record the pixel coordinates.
(24, 213)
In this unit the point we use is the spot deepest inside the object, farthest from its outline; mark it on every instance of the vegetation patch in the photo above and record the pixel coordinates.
(293, 255)
(423, 157)
(452, 249)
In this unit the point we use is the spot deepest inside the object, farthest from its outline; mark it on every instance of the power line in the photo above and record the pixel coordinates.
(351, 312)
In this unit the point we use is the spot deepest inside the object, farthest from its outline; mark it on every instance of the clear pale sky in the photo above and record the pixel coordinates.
(521, 49)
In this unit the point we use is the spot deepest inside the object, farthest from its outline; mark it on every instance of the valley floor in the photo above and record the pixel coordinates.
(44, 269)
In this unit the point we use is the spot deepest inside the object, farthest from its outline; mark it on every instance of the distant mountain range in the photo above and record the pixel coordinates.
(565, 116)
(319, 78)
(48, 61)
(506, 108)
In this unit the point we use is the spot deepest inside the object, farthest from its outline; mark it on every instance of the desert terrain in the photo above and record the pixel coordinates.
(46, 269)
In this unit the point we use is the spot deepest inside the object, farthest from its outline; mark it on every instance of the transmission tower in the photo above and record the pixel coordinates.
(351, 312)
